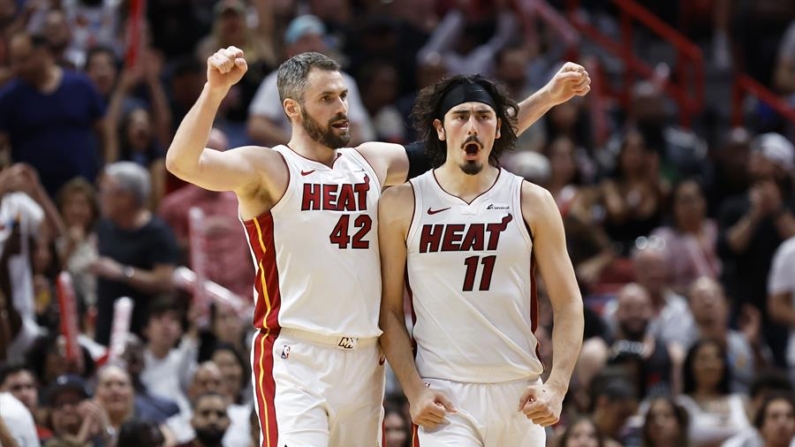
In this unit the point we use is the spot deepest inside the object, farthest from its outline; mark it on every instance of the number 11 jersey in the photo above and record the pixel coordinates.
(470, 279)
(316, 251)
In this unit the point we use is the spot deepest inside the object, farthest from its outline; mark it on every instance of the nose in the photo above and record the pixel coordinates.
(471, 127)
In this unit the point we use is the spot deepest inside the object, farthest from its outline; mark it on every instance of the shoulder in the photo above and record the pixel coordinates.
(538, 205)
(787, 249)
(396, 204)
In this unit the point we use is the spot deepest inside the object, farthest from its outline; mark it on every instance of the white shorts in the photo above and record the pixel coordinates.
(486, 415)
(313, 391)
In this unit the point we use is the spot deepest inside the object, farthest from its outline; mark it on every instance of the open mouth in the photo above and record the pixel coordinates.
(342, 125)
(471, 148)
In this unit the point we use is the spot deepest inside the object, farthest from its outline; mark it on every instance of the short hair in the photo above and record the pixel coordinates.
(101, 49)
(163, 305)
(759, 417)
(208, 395)
(771, 380)
(291, 79)
(134, 433)
(132, 178)
(426, 110)
(13, 368)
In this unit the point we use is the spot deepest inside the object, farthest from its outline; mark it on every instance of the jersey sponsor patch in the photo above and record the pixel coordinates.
(498, 207)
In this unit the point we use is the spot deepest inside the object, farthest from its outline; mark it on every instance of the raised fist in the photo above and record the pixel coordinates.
(225, 68)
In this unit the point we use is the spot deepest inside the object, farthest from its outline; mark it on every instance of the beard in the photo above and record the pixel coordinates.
(210, 436)
(633, 332)
(471, 167)
(326, 136)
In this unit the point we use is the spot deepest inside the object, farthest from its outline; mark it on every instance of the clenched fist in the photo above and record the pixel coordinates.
(225, 68)
(570, 81)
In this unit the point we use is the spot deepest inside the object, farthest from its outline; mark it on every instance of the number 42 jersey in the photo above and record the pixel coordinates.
(316, 251)
(470, 276)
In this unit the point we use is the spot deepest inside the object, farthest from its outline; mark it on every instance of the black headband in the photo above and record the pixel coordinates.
(465, 92)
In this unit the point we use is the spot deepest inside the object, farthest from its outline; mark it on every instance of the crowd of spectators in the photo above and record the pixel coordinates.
(683, 241)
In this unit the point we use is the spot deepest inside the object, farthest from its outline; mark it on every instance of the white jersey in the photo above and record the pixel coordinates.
(316, 251)
(470, 275)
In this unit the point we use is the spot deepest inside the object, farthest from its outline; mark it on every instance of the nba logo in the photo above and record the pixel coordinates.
(285, 352)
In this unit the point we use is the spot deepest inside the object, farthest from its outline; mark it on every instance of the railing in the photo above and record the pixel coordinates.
(745, 85)
(688, 95)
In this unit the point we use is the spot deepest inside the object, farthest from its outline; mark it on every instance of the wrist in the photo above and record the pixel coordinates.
(215, 93)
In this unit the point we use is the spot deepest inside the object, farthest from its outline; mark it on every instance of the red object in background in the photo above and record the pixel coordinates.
(68, 306)
(135, 27)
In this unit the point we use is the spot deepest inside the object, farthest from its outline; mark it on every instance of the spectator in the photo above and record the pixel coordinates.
(17, 422)
(766, 384)
(115, 396)
(267, 123)
(666, 424)
(76, 419)
(138, 433)
(746, 350)
(691, 238)
(715, 412)
(207, 379)
(147, 406)
(781, 295)
(137, 250)
(210, 421)
(776, 421)
(613, 402)
(397, 429)
(49, 115)
(102, 67)
(581, 432)
(753, 225)
(18, 379)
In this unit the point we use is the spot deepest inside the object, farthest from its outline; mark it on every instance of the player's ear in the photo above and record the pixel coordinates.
(292, 108)
(439, 129)
(499, 126)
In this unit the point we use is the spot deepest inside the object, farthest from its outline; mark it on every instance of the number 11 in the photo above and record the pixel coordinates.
(472, 267)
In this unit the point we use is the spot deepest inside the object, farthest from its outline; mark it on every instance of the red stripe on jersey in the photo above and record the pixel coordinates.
(266, 284)
(534, 300)
(415, 437)
(265, 388)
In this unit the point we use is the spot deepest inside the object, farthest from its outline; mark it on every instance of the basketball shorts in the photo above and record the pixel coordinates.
(316, 391)
(486, 415)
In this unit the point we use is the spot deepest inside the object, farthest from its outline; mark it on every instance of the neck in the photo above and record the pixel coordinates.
(606, 424)
(118, 418)
(705, 393)
(134, 220)
(305, 146)
(465, 186)
(159, 351)
(714, 330)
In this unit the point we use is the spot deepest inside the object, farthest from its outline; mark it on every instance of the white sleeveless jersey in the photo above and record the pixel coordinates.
(470, 276)
(316, 251)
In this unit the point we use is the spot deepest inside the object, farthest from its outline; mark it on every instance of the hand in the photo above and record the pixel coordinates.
(105, 267)
(152, 62)
(226, 68)
(750, 323)
(130, 77)
(542, 404)
(771, 196)
(429, 408)
(570, 81)
(756, 197)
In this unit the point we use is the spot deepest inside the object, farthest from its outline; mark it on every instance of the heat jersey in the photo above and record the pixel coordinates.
(469, 270)
(316, 251)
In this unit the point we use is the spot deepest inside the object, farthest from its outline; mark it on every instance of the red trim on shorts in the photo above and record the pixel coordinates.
(415, 436)
(265, 387)
(266, 284)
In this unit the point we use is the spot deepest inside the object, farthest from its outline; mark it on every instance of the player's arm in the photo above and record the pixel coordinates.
(187, 158)
(570, 81)
(543, 404)
(394, 215)
(390, 161)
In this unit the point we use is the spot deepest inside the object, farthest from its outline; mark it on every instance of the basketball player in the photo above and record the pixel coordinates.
(310, 212)
(467, 237)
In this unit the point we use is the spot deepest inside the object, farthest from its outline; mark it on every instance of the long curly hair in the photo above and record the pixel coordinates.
(426, 110)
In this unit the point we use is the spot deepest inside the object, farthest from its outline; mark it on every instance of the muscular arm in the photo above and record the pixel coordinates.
(549, 245)
(394, 214)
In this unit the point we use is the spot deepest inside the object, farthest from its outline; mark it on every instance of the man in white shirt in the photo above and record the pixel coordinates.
(18, 420)
(781, 295)
(267, 123)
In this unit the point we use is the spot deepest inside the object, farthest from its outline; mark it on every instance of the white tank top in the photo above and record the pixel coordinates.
(316, 251)
(470, 271)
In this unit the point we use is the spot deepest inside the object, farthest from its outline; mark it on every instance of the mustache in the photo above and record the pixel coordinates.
(471, 139)
(338, 117)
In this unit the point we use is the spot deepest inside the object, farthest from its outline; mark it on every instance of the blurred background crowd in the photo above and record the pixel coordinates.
(674, 177)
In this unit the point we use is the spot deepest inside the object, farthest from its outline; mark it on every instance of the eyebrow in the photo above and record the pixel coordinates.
(333, 92)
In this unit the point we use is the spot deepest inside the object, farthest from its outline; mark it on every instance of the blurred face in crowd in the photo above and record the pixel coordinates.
(114, 391)
(690, 208)
(207, 379)
(708, 303)
(231, 24)
(114, 200)
(511, 69)
(231, 372)
(139, 129)
(564, 116)
(210, 420)
(632, 157)
(22, 385)
(634, 312)
(28, 62)
(162, 331)
(661, 423)
(651, 270)
(134, 357)
(64, 412)
(77, 210)
(56, 30)
(227, 326)
(708, 367)
(397, 432)
(778, 425)
(561, 160)
(582, 434)
(324, 108)
(101, 68)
